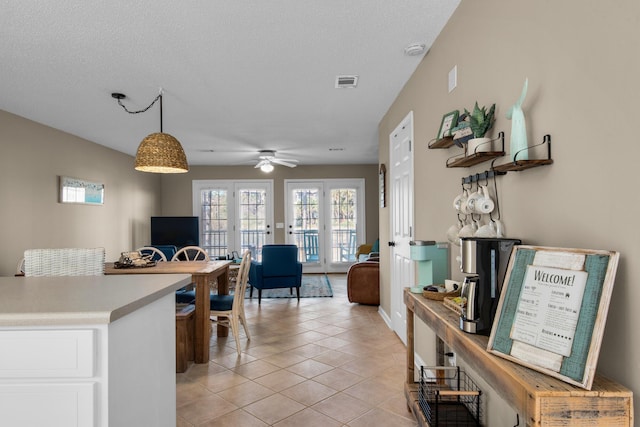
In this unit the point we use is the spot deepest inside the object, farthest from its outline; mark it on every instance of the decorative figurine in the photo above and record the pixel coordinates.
(518, 127)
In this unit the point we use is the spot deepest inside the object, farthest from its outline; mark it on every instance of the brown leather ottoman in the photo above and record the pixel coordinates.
(363, 283)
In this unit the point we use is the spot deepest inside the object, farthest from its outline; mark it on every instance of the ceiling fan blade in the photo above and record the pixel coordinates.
(261, 163)
(283, 163)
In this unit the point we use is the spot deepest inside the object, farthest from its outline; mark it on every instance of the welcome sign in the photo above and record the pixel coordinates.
(552, 310)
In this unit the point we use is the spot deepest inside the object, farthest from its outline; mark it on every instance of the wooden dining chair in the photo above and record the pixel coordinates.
(228, 310)
(64, 262)
(156, 254)
(191, 253)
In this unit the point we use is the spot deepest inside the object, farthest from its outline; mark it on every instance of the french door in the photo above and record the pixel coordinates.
(325, 219)
(234, 216)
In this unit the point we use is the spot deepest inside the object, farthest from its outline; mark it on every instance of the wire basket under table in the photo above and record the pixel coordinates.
(448, 397)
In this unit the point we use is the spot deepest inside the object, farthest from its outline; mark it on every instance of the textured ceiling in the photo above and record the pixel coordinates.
(238, 76)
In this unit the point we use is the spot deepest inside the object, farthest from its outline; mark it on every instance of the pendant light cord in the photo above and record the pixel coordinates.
(143, 110)
(159, 97)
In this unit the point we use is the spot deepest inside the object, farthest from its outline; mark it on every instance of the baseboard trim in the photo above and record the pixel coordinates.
(385, 317)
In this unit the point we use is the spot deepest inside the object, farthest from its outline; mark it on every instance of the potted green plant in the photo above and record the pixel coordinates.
(480, 121)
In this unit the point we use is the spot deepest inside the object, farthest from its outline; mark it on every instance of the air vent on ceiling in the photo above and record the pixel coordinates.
(343, 82)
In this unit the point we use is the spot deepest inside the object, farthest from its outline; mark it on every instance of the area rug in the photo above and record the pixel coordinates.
(313, 286)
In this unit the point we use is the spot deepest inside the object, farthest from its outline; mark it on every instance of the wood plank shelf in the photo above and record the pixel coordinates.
(539, 399)
(520, 165)
(473, 159)
(445, 142)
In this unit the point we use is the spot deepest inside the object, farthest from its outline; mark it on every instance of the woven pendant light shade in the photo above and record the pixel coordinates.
(161, 153)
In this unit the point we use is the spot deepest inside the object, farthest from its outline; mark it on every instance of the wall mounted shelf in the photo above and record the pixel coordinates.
(520, 165)
(445, 142)
(467, 160)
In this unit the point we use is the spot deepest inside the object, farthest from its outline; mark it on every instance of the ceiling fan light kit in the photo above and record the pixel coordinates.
(266, 167)
(158, 152)
(268, 158)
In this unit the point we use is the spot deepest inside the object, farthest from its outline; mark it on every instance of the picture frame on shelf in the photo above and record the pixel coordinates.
(449, 120)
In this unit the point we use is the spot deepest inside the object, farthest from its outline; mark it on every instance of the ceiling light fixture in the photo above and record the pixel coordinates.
(158, 152)
(266, 167)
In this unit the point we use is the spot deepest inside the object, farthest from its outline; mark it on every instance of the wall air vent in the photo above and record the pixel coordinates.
(343, 82)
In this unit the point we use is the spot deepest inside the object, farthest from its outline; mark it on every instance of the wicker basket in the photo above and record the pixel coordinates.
(439, 296)
(451, 305)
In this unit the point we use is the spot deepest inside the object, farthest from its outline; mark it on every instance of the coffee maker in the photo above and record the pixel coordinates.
(484, 261)
(432, 259)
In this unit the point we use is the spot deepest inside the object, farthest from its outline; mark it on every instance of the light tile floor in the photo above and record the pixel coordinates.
(322, 362)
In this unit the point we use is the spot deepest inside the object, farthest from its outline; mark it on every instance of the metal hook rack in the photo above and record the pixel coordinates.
(481, 176)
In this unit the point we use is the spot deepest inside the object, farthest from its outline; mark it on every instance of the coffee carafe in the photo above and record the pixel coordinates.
(484, 261)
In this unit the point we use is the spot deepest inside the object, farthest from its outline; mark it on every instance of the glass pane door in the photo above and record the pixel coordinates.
(214, 221)
(305, 221)
(325, 219)
(234, 216)
(343, 223)
(255, 225)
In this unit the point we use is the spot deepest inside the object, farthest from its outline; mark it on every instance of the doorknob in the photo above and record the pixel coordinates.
(392, 243)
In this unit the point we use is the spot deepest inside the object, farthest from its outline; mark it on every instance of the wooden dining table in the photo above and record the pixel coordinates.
(202, 274)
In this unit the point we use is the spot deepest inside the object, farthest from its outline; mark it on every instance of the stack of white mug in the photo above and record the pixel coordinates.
(469, 204)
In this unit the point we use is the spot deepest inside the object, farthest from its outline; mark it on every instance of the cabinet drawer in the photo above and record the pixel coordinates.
(47, 354)
(51, 405)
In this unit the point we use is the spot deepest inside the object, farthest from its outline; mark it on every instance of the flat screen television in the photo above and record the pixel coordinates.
(179, 231)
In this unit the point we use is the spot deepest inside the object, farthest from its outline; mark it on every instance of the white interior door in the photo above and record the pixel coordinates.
(401, 185)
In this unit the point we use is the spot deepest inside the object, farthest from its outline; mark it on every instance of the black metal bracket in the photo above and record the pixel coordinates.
(481, 176)
(546, 139)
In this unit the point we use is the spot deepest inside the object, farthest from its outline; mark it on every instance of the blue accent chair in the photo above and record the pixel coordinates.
(279, 268)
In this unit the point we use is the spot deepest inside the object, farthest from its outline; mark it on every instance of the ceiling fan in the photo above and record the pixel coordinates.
(268, 159)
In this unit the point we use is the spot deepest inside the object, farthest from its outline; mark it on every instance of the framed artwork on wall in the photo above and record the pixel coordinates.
(75, 190)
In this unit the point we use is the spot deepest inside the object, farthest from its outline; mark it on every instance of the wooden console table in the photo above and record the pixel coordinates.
(539, 399)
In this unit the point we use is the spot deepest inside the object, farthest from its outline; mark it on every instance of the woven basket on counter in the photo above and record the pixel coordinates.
(439, 296)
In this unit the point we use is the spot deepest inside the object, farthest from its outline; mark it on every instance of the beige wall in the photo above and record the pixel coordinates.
(177, 189)
(32, 157)
(581, 58)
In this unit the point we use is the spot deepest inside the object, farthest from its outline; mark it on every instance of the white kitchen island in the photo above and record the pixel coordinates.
(88, 351)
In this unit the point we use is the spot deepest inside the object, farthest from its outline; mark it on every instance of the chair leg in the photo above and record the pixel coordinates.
(243, 319)
(290, 291)
(244, 325)
(250, 292)
(259, 296)
(298, 292)
(233, 321)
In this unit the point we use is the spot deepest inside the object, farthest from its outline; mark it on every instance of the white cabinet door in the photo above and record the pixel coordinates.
(48, 404)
